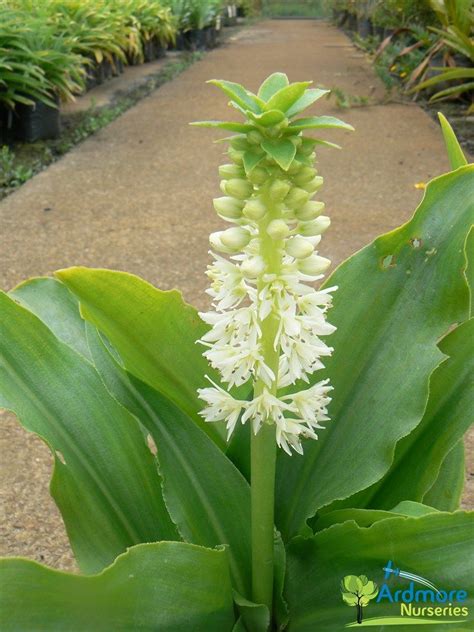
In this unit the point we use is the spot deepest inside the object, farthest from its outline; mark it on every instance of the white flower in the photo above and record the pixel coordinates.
(264, 408)
(311, 403)
(222, 406)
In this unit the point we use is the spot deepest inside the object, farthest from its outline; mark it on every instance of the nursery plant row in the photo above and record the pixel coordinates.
(427, 45)
(53, 50)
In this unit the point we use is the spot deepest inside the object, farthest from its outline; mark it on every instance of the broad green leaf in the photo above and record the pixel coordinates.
(446, 492)
(308, 98)
(448, 415)
(169, 586)
(241, 128)
(267, 119)
(282, 151)
(469, 272)
(239, 626)
(367, 517)
(412, 509)
(155, 333)
(251, 160)
(287, 96)
(207, 497)
(51, 302)
(272, 84)
(105, 481)
(418, 457)
(436, 546)
(400, 294)
(255, 617)
(318, 122)
(239, 95)
(455, 153)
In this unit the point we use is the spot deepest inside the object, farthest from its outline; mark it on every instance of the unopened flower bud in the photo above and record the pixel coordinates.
(252, 267)
(294, 167)
(216, 243)
(236, 156)
(305, 174)
(254, 137)
(278, 190)
(299, 248)
(296, 140)
(316, 227)
(254, 209)
(296, 197)
(313, 265)
(239, 142)
(307, 146)
(273, 131)
(277, 229)
(313, 185)
(235, 238)
(259, 175)
(239, 188)
(228, 207)
(231, 171)
(309, 211)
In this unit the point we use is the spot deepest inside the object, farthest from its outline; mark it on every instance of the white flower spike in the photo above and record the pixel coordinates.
(267, 319)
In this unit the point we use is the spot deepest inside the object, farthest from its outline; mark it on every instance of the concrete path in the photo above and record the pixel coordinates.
(137, 197)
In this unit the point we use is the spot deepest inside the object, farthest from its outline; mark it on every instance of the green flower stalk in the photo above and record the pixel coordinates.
(267, 322)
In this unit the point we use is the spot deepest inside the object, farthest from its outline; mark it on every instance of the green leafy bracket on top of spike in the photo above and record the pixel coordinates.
(270, 113)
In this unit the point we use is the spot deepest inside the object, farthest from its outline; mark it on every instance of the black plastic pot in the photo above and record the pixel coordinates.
(37, 122)
(379, 31)
(107, 69)
(153, 50)
(6, 125)
(179, 41)
(117, 66)
(148, 51)
(343, 18)
(160, 50)
(194, 39)
(211, 37)
(352, 22)
(364, 27)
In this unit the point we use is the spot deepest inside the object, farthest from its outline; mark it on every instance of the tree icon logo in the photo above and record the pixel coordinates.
(358, 591)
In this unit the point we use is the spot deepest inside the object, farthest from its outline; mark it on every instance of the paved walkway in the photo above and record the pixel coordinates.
(137, 197)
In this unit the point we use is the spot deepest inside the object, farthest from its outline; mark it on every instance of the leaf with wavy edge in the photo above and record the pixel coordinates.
(105, 481)
(169, 586)
(437, 546)
(447, 490)
(155, 333)
(400, 294)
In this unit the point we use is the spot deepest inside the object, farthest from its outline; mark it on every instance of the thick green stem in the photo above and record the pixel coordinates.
(263, 445)
(263, 455)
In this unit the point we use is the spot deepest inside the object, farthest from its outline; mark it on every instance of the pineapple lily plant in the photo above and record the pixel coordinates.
(228, 470)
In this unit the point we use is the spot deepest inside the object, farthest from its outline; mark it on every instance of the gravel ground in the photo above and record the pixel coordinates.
(137, 197)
